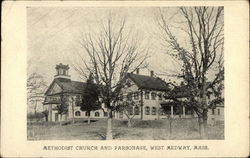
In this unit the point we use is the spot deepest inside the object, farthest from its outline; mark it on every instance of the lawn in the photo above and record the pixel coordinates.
(183, 129)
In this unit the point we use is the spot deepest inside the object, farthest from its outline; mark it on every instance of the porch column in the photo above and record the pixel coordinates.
(172, 111)
(141, 105)
(183, 110)
(50, 113)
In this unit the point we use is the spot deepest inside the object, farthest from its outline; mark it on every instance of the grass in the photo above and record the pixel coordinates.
(183, 129)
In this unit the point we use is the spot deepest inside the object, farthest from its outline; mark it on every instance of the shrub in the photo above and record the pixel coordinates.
(37, 115)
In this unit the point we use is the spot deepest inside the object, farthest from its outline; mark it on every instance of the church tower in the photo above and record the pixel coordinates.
(62, 71)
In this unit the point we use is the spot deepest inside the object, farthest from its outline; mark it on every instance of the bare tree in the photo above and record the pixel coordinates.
(165, 110)
(111, 53)
(35, 90)
(126, 107)
(203, 28)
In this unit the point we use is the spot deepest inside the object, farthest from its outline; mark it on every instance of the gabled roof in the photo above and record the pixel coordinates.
(67, 86)
(148, 82)
(178, 92)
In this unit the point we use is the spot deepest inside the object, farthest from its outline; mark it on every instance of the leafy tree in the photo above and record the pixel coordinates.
(90, 97)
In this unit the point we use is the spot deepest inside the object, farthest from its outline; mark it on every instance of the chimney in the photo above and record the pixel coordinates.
(152, 73)
(137, 71)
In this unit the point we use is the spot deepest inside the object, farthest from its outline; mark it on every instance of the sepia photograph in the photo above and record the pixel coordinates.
(125, 73)
(125, 79)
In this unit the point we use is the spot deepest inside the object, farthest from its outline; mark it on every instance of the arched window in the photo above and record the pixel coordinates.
(153, 95)
(77, 113)
(146, 95)
(213, 111)
(97, 114)
(153, 110)
(87, 113)
(147, 110)
(137, 110)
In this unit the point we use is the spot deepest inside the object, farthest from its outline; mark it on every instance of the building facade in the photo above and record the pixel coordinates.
(147, 92)
(63, 90)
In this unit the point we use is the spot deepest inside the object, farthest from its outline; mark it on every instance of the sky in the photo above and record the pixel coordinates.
(54, 34)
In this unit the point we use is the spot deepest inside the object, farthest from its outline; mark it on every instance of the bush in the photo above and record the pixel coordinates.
(37, 115)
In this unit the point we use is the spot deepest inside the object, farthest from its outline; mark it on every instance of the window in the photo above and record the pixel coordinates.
(87, 113)
(64, 72)
(121, 114)
(153, 95)
(137, 110)
(136, 96)
(77, 113)
(146, 95)
(190, 111)
(97, 114)
(153, 110)
(218, 111)
(130, 111)
(213, 111)
(147, 110)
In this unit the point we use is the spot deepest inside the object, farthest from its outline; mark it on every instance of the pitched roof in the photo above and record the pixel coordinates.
(148, 82)
(179, 92)
(68, 86)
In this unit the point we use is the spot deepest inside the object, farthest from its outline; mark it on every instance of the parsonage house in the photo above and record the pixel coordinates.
(146, 91)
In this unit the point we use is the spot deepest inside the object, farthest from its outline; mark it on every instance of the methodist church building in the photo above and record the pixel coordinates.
(64, 90)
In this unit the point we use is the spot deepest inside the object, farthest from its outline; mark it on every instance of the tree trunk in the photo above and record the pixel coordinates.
(129, 123)
(203, 127)
(170, 127)
(73, 115)
(203, 117)
(88, 119)
(109, 135)
(60, 120)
